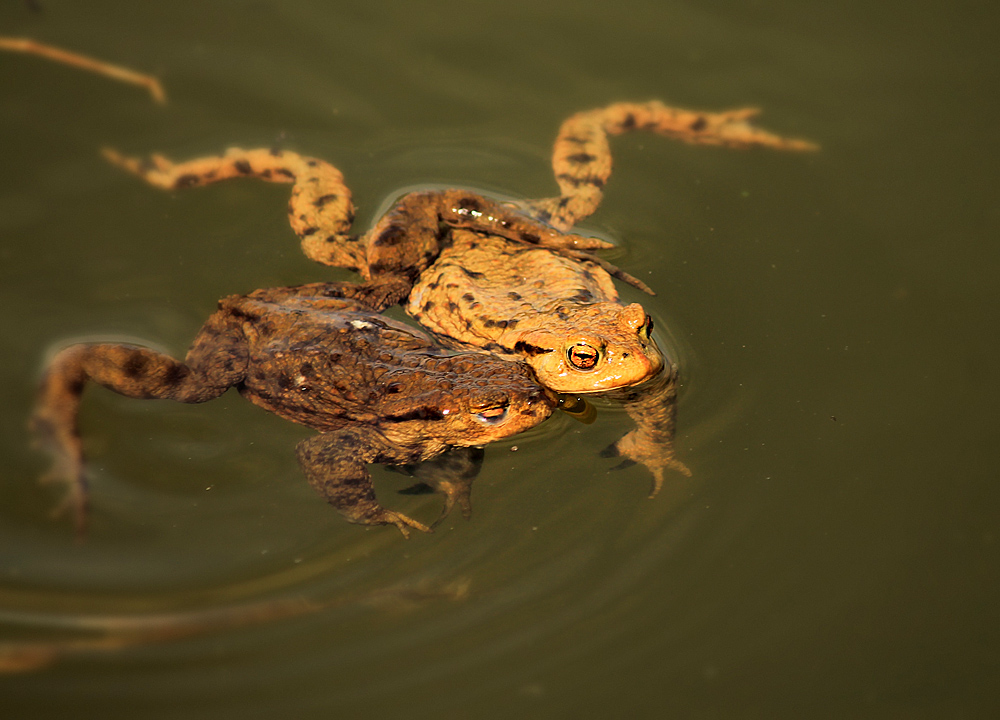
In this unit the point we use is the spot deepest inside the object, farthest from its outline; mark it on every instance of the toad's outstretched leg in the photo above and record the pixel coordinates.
(131, 370)
(396, 250)
(320, 209)
(581, 158)
(335, 463)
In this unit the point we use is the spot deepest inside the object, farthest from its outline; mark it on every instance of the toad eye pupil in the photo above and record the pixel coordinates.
(583, 357)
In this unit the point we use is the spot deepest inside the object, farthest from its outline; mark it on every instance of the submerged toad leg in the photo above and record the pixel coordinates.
(320, 209)
(653, 408)
(216, 362)
(581, 157)
(451, 474)
(335, 463)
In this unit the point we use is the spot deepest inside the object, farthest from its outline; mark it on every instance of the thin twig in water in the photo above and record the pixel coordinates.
(115, 72)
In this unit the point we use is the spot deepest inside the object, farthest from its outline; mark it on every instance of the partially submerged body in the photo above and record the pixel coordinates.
(377, 390)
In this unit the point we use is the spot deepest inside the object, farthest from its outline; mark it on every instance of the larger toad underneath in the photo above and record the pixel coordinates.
(377, 390)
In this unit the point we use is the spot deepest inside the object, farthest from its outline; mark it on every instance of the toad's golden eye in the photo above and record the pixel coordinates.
(583, 356)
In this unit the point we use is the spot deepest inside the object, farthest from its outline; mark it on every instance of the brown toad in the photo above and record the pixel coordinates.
(377, 390)
(510, 280)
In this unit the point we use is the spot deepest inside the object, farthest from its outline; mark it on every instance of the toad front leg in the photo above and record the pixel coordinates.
(335, 463)
(653, 407)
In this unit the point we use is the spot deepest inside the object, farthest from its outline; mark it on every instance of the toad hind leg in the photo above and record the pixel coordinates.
(129, 370)
(320, 209)
(581, 157)
(335, 463)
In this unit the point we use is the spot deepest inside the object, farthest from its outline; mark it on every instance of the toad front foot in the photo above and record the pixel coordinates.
(638, 446)
(335, 463)
(452, 475)
(403, 522)
(652, 406)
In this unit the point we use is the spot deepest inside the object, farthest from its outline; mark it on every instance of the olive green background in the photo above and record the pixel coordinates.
(835, 316)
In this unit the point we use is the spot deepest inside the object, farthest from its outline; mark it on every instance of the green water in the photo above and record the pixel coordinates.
(835, 316)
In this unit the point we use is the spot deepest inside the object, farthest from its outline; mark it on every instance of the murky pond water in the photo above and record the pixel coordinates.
(834, 316)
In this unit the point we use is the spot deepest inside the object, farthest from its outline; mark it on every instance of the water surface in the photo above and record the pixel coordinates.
(834, 316)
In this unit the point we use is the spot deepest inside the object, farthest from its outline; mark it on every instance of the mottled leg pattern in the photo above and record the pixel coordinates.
(452, 475)
(582, 157)
(335, 463)
(129, 370)
(320, 209)
(653, 408)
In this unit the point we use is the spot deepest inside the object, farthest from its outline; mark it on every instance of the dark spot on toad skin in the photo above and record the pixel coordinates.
(242, 166)
(421, 413)
(176, 373)
(392, 235)
(530, 350)
(577, 182)
(324, 199)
